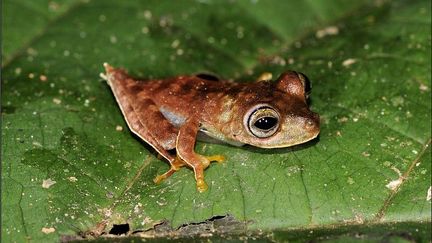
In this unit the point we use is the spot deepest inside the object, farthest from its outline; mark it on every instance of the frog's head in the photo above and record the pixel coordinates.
(279, 116)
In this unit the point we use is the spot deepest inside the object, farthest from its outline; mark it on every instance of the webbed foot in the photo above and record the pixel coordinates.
(159, 178)
(201, 185)
(202, 162)
(206, 160)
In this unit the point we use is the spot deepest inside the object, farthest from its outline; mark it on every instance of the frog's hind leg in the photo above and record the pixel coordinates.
(143, 116)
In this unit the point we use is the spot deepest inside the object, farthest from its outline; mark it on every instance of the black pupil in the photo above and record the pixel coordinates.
(266, 123)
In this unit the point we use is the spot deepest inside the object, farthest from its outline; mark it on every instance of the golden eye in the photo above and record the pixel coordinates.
(263, 122)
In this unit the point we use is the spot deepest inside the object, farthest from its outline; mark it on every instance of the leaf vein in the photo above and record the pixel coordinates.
(381, 213)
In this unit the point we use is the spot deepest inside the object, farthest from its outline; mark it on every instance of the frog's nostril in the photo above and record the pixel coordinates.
(310, 124)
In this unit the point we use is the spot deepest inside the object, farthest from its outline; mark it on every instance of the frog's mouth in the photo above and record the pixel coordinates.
(294, 141)
(294, 131)
(299, 140)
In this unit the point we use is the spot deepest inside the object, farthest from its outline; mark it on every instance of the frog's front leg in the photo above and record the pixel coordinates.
(185, 150)
(176, 164)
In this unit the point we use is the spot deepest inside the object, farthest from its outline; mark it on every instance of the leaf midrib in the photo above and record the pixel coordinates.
(405, 176)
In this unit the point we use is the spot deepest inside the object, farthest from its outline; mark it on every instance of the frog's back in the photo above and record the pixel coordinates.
(186, 86)
(185, 93)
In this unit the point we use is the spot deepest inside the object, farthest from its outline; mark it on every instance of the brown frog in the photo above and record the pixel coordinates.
(169, 113)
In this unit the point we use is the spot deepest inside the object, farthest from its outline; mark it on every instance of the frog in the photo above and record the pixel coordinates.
(169, 114)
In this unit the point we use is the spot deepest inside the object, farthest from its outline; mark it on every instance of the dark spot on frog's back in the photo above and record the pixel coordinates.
(136, 88)
(207, 76)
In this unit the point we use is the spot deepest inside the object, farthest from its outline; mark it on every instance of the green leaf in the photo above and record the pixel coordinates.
(24, 21)
(370, 66)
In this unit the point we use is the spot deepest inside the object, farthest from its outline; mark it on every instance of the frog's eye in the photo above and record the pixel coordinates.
(294, 83)
(263, 122)
(306, 84)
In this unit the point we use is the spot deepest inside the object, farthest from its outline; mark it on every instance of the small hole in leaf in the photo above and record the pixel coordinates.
(119, 229)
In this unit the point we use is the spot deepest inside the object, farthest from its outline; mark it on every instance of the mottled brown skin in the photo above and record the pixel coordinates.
(169, 113)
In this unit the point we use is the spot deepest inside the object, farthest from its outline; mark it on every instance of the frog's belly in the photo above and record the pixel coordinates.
(204, 134)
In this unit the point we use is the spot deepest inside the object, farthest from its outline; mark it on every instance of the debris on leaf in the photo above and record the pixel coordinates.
(330, 30)
(147, 220)
(429, 194)
(92, 233)
(349, 62)
(393, 185)
(57, 101)
(423, 87)
(48, 230)
(215, 225)
(43, 78)
(48, 183)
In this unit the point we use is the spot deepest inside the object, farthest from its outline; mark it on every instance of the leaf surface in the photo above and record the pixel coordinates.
(370, 66)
